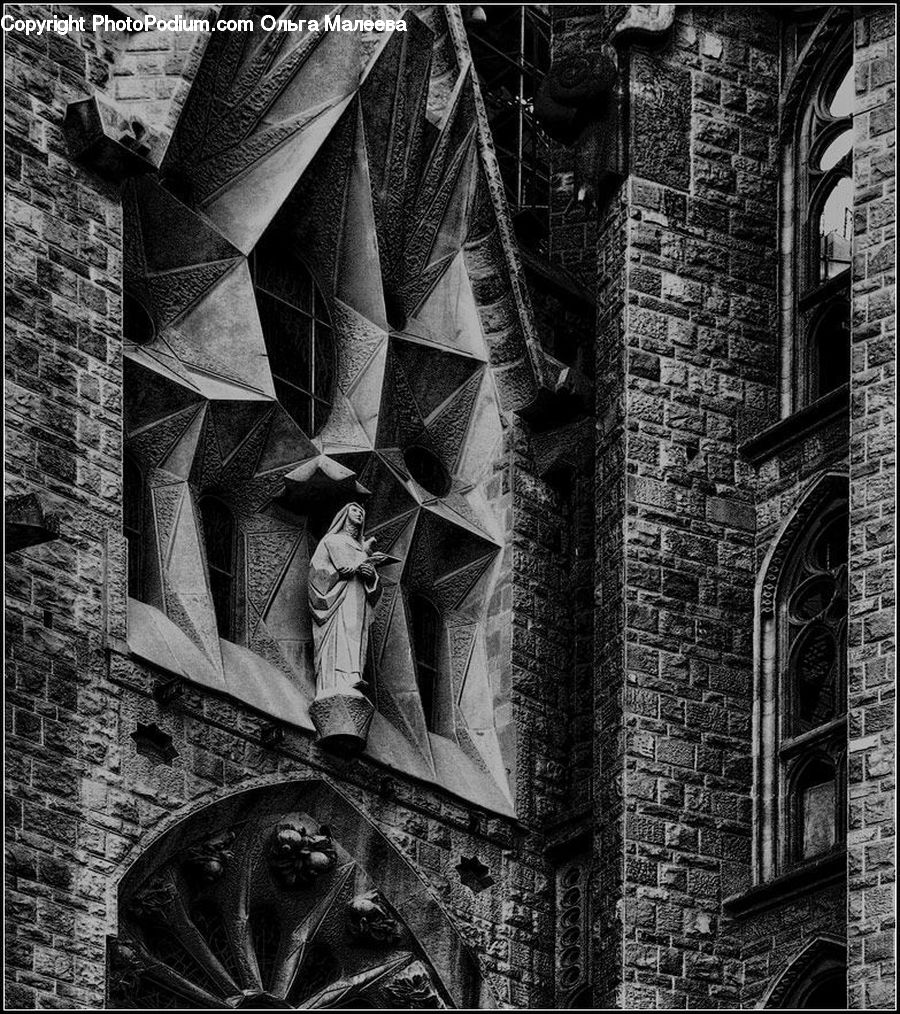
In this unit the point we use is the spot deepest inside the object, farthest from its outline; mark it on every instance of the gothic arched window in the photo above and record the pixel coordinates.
(803, 686)
(819, 189)
(133, 523)
(297, 329)
(219, 538)
(813, 618)
(425, 620)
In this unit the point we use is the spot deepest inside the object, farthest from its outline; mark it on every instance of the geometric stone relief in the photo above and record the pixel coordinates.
(328, 165)
(572, 926)
(255, 903)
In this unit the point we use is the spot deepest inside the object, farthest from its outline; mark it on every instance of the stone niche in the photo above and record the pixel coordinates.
(284, 898)
(321, 305)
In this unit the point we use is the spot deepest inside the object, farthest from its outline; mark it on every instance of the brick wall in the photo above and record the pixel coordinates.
(699, 332)
(63, 413)
(872, 519)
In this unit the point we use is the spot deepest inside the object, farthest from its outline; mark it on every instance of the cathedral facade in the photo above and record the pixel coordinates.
(450, 506)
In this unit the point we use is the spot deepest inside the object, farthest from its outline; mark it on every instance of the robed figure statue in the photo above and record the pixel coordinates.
(343, 589)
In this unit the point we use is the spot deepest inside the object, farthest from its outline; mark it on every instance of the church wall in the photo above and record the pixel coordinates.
(873, 466)
(698, 323)
(772, 927)
(63, 412)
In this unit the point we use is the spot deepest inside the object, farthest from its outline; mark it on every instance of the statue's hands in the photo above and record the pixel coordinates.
(366, 570)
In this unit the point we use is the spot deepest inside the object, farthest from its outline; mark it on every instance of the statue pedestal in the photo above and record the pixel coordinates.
(342, 722)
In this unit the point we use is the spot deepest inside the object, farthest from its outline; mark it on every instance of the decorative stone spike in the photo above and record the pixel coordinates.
(342, 722)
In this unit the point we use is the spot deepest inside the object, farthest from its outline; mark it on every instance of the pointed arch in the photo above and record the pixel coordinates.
(800, 684)
(817, 973)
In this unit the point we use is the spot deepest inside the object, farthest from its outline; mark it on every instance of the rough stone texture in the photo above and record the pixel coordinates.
(63, 412)
(872, 703)
(619, 631)
(699, 332)
(771, 938)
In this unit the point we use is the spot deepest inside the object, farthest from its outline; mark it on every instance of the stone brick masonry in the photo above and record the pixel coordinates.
(873, 465)
(699, 333)
(624, 621)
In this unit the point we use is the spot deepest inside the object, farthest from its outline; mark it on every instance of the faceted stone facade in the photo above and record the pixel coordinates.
(582, 456)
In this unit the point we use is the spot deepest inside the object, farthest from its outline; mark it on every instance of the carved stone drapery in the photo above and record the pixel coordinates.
(343, 589)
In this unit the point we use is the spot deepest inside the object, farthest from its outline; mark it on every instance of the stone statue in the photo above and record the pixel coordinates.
(343, 589)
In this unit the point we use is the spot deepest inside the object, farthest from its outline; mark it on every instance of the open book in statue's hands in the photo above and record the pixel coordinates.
(382, 559)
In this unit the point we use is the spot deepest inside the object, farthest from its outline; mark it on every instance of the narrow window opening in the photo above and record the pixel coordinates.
(298, 333)
(426, 636)
(133, 523)
(816, 803)
(511, 54)
(218, 534)
(819, 181)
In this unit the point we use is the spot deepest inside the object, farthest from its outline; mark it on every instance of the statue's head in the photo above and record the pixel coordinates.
(356, 516)
(350, 518)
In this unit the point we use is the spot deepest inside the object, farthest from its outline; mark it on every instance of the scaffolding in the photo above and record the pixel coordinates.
(511, 55)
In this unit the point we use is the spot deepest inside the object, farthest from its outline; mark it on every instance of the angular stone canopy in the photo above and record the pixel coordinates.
(377, 181)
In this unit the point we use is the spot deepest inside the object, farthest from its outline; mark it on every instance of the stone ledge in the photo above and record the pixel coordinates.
(815, 874)
(775, 438)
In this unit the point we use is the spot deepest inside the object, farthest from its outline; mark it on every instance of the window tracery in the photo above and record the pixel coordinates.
(803, 688)
(819, 199)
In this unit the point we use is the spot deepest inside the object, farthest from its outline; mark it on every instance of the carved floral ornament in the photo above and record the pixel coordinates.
(324, 309)
(269, 913)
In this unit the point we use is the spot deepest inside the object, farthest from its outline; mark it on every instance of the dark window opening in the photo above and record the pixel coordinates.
(426, 637)
(266, 939)
(137, 324)
(829, 994)
(830, 340)
(133, 523)
(822, 182)
(428, 470)
(298, 333)
(218, 535)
